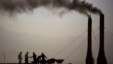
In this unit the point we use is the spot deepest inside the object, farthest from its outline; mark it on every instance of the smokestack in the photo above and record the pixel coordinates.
(101, 57)
(89, 57)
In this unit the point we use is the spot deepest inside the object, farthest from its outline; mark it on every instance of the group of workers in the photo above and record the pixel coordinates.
(41, 59)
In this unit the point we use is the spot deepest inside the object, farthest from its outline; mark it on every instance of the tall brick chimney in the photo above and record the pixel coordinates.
(101, 56)
(89, 57)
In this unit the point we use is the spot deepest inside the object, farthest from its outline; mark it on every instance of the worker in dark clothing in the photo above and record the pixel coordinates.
(38, 59)
(20, 57)
(43, 58)
(26, 58)
(34, 58)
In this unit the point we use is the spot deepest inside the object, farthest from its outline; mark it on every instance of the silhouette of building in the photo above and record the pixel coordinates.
(89, 57)
(101, 56)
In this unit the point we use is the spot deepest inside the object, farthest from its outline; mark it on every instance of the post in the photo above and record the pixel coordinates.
(4, 57)
(89, 57)
(101, 56)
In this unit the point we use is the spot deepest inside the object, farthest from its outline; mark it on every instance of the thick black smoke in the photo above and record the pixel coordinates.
(23, 5)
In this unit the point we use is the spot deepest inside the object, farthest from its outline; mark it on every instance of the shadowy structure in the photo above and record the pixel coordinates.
(26, 58)
(101, 57)
(20, 57)
(59, 61)
(89, 57)
(51, 61)
(69, 63)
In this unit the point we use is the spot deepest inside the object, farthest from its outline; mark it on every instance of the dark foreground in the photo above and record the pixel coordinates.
(12, 63)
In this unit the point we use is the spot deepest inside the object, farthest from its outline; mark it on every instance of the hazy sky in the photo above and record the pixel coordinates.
(42, 30)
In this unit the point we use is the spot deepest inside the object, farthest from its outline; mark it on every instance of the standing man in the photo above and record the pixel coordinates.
(38, 59)
(20, 57)
(43, 56)
(34, 58)
(26, 58)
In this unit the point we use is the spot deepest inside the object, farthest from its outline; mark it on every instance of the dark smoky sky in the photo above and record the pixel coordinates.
(19, 5)
(50, 25)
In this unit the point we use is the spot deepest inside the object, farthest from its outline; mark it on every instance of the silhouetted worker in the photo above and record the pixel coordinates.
(38, 59)
(34, 58)
(20, 57)
(26, 58)
(43, 58)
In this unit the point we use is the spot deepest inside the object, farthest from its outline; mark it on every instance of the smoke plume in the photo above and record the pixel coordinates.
(23, 5)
